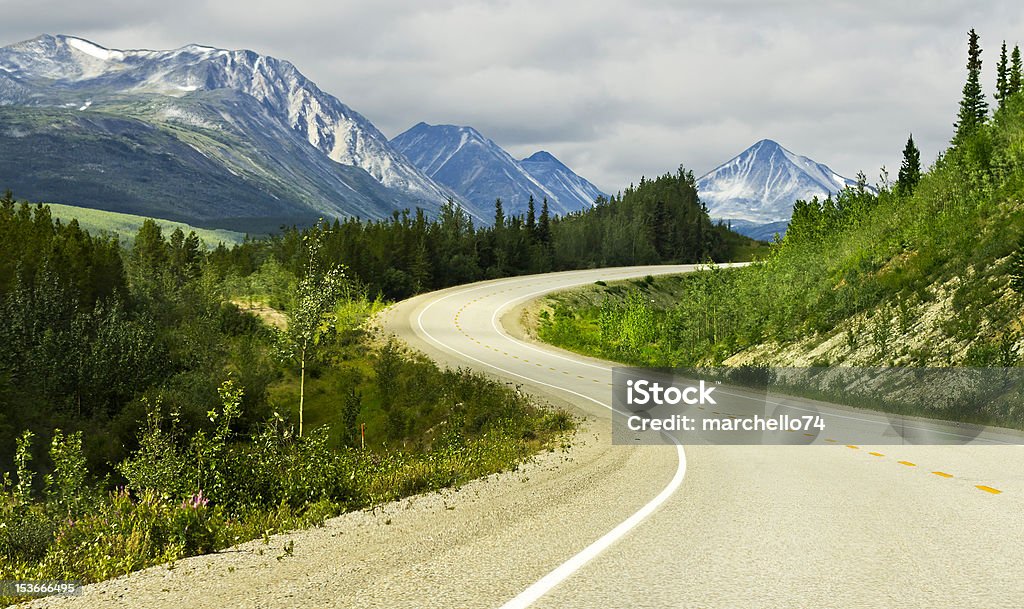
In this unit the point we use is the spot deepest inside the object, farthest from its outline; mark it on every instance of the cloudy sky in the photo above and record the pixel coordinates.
(615, 89)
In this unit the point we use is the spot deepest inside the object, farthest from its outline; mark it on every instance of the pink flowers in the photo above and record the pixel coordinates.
(196, 501)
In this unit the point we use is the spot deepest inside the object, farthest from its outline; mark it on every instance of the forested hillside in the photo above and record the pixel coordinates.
(145, 416)
(658, 221)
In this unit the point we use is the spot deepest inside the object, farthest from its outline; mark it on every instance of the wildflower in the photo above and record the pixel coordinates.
(196, 501)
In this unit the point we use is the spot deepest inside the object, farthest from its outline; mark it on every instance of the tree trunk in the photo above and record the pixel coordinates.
(302, 389)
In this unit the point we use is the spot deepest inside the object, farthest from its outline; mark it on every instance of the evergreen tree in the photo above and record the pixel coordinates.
(499, 215)
(910, 169)
(544, 227)
(184, 254)
(1002, 78)
(149, 260)
(531, 217)
(419, 268)
(1014, 78)
(973, 107)
(149, 250)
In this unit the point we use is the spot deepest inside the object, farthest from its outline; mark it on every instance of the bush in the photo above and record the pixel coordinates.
(188, 494)
(26, 533)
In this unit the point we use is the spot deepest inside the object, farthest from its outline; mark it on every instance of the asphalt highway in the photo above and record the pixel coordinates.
(830, 524)
(816, 524)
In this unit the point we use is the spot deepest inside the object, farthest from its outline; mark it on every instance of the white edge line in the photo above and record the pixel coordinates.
(563, 571)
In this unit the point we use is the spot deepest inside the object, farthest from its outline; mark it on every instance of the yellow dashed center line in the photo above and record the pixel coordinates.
(458, 326)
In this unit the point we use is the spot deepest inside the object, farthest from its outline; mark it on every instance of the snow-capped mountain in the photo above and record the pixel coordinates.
(256, 117)
(569, 189)
(481, 171)
(761, 184)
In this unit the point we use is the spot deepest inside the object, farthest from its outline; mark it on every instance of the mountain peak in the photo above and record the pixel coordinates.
(761, 183)
(541, 156)
(479, 169)
(237, 92)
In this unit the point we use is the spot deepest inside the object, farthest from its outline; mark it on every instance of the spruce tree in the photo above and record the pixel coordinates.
(910, 170)
(544, 225)
(499, 214)
(1002, 78)
(531, 217)
(149, 251)
(973, 107)
(1014, 78)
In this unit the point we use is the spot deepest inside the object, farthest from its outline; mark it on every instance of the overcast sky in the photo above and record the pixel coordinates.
(615, 89)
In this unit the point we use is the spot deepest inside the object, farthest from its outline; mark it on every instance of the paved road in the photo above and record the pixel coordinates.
(630, 526)
(730, 526)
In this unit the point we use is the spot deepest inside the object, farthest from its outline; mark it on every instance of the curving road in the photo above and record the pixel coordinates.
(604, 525)
(722, 526)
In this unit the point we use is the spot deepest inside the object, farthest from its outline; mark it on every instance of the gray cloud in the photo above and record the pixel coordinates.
(615, 89)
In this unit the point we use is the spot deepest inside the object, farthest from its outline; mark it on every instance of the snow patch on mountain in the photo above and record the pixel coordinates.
(569, 189)
(461, 158)
(761, 184)
(69, 66)
(94, 50)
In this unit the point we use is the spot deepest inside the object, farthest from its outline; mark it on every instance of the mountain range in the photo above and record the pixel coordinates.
(243, 141)
(474, 166)
(230, 139)
(759, 186)
(216, 138)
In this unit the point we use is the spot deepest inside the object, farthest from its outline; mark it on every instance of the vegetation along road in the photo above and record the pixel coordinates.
(610, 525)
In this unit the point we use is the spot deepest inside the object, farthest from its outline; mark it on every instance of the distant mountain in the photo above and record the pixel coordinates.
(480, 170)
(214, 137)
(761, 184)
(570, 190)
(759, 231)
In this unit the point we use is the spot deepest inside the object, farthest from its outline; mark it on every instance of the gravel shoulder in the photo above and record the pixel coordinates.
(474, 546)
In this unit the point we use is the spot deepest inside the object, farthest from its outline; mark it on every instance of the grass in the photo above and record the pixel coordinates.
(892, 278)
(125, 226)
(192, 493)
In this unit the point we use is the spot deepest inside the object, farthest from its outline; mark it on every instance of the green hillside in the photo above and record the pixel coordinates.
(125, 226)
(919, 274)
